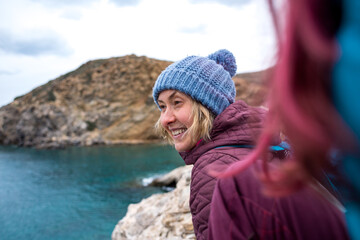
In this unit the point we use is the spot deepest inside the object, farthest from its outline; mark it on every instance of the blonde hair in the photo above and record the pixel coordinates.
(200, 129)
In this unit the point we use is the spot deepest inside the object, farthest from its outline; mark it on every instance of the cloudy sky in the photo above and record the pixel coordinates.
(43, 39)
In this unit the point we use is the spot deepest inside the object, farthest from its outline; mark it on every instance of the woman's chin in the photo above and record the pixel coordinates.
(180, 148)
(184, 146)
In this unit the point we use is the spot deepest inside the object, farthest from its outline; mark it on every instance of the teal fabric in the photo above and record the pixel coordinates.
(346, 81)
(353, 219)
(281, 147)
(346, 94)
(351, 168)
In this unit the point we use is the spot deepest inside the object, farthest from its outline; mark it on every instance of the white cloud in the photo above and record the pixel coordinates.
(230, 3)
(123, 3)
(71, 14)
(65, 3)
(34, 43)
(73, 32)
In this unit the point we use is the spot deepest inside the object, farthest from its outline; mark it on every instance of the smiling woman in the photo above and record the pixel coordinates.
(199, 115)
(183, 121)
(191, 93)
(176, 118)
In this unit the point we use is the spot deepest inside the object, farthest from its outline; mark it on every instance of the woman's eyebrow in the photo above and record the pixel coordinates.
(172, 96)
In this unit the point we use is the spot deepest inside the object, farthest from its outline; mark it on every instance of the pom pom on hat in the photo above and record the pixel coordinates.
(226, 59)
(205, 79)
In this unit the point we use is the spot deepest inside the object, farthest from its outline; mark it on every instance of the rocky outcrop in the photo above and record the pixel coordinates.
(106, 101)
(251, 87)
(102, 102)
(161, 216)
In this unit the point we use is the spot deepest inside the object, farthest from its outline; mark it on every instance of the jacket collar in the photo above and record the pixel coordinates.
(237, 124)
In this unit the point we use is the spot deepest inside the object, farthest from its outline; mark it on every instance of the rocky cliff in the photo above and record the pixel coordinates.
(105, 101)
(102, 102)
(160, 216)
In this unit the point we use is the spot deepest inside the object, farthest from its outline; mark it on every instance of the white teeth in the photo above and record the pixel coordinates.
(177, 132)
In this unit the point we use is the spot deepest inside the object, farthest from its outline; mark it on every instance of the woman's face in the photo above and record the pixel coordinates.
(176, 119)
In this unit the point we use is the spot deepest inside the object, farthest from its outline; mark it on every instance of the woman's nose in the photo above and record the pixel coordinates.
(167, 117)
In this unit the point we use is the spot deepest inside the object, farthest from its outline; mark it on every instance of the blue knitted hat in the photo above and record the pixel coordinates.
(205, 79)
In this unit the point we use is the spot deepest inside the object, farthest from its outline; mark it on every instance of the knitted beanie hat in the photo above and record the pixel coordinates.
(205, 79)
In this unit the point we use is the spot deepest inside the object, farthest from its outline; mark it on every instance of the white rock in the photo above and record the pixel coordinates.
(160, 216)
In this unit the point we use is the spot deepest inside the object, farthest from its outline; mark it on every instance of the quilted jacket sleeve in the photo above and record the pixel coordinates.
(237, 216)
(239, 210)
(202, 187)
(222, 218)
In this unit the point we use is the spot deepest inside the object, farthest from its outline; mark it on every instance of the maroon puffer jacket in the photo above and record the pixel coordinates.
(239, 210)
(238, 124)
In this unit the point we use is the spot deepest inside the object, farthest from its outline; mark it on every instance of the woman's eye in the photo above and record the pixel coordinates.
(177, 102)
(162, 107)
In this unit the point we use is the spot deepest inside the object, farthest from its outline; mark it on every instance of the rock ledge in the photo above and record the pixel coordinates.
(160, 216)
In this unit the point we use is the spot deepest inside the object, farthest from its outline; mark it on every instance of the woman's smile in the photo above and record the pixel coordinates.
(177, 132)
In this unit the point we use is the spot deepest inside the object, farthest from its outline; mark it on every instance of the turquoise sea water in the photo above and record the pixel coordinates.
(75, 193)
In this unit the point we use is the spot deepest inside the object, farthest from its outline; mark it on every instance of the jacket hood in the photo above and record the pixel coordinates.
(238, 124)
